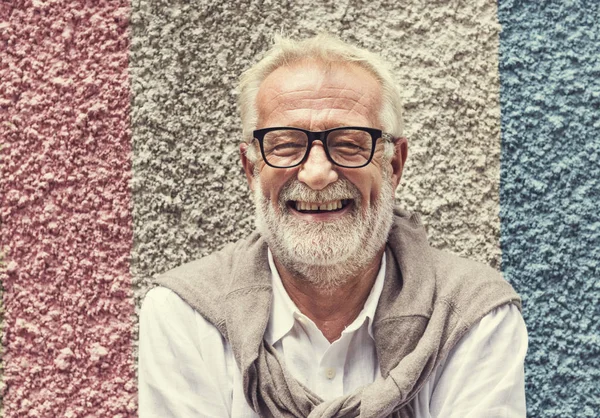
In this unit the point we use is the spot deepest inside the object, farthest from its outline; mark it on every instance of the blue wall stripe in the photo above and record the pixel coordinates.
(550, 195)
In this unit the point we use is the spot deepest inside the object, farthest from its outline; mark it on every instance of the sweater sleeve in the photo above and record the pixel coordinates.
(483, 375)
(183, 365)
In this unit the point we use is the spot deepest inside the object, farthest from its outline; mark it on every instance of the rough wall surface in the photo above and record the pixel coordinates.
(65, 209)
(66, 165)
(550, 190)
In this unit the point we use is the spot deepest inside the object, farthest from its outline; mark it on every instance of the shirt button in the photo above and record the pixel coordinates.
(330, 373)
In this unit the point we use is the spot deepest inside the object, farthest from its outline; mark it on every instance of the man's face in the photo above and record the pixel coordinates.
(307, 95)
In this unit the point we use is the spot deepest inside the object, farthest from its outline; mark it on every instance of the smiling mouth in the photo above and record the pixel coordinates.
(319, 207)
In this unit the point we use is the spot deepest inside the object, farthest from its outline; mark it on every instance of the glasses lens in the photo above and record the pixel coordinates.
(284, 147)
(350, 147)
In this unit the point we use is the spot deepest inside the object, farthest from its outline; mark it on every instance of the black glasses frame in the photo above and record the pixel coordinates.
(313, 136)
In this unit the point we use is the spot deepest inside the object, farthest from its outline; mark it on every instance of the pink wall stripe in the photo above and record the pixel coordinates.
(66, 231)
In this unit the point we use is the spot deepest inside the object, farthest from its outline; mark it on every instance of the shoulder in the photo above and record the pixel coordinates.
(204, 284)
(217, 265)
(443, 276)
(160, 300)
(455, 265)
(499, 336)
(501, 326)
(464, 281)
(165, 313)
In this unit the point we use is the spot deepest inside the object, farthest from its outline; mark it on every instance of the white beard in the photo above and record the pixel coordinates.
(325, 254)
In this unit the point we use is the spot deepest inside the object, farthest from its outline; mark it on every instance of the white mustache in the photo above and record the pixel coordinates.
(297, 191)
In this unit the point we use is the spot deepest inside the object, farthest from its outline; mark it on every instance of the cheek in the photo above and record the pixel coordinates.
(267, 189)
(272, 181)
(369, 186)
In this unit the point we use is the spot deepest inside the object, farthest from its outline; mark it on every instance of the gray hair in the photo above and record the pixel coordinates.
(327, 49)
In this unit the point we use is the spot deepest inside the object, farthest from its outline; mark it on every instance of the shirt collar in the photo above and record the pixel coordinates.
(284, 311)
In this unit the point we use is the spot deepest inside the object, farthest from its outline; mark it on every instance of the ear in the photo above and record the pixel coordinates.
(247, 165)
(398, 160)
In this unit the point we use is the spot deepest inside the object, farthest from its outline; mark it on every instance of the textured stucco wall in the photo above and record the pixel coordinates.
(550, 194)
(77, 207)
(65, 209)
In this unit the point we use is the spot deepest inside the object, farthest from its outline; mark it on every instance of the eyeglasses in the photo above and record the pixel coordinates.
(348, 146)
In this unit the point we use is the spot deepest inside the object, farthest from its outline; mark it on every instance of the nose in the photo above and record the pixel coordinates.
(317, 171)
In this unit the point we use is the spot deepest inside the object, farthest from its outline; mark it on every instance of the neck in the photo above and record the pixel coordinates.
(331, 308)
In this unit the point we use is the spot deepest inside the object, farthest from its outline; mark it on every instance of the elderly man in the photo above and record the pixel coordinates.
(336, 306)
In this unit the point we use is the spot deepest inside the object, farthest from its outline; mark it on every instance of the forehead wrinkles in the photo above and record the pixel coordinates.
(320, 107)
(276, 97)
(343, 88)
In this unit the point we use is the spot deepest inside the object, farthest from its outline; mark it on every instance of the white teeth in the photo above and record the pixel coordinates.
(337, 204)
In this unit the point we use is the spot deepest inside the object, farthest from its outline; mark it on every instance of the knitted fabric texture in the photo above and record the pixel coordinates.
(429, 301)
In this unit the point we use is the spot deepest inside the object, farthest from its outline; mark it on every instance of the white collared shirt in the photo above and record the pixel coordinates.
(186, 368)
(314, 361)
